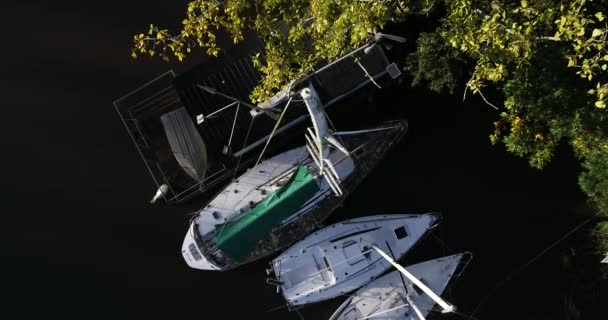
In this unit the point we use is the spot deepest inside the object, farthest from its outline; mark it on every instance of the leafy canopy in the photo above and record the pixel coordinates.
(505, 35)
(550, 58)
(298, 34)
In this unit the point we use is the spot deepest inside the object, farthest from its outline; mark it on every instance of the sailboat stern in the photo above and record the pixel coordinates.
(192, 253)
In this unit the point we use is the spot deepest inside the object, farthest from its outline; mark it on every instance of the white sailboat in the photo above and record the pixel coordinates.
(282, 199)
(341, 258)
(395, 297)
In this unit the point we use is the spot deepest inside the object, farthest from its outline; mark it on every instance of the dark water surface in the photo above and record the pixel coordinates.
(86, 244)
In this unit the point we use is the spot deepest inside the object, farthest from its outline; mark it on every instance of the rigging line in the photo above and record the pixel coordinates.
(244, 144)
(236, 169)
(272, 133)
(442, 243)
(525, 265)
(328, 119)
(299, 314)
(220, 110)
(236, 115)
(277, 308)
(414, 307)
(464, 315)
(407, 294)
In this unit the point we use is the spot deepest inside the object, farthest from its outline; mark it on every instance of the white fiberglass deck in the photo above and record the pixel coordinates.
(385, 297)
(256, 184)
(339, 258)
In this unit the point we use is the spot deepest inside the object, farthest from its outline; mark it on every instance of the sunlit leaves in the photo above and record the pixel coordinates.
(546, 103)
(502, 35)
(298, 34)
(204, 18)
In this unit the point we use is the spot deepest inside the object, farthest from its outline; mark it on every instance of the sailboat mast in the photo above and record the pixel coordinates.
(447, 308)
(407, 294)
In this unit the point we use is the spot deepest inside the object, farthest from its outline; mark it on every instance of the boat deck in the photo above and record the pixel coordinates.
(368, 148)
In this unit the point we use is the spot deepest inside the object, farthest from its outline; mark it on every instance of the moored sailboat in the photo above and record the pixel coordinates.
(285, 197)
(282, 199)
(341, 258)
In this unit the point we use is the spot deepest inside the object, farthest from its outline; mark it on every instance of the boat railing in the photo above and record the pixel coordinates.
(467, 257)
(139, 111)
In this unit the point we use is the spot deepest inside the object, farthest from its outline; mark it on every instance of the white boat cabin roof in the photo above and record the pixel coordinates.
(340, 258)
(384, 298)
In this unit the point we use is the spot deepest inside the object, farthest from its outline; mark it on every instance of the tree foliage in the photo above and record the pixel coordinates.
(550, 59)
(503, 36)
(434, 64)
(298, 34)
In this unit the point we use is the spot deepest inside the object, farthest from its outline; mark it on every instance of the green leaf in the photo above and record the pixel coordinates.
(596, 33)
(581, 32)
(524, 3)
(599, 16)
(600, 104)
(570, 62)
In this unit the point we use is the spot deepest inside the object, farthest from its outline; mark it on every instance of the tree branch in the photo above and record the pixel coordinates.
(486, 100)
(466, 87)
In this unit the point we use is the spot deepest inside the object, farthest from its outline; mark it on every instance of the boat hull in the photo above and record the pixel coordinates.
(340, 258)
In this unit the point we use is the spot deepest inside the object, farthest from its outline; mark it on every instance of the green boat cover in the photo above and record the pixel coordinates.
(238, 238)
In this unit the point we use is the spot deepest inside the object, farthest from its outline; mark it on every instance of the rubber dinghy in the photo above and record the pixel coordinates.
(282, 199)
(392, 296)
(341, 258)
